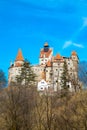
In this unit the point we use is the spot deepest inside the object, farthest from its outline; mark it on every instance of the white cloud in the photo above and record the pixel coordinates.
(67, 44)
(85, 21)
(84, 24)
(78, 45)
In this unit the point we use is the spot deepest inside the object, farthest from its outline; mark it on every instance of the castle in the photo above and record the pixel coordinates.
(49, 69)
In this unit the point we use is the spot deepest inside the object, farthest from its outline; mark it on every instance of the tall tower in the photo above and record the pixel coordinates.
(45, 54)
(75, 61)
(15, 67)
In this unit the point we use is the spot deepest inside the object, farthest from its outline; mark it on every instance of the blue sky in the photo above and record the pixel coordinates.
(27, 24)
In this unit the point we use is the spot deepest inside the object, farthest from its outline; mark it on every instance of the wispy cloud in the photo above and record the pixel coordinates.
(69, 43)
(78, 45)
(85, 21)
(84, 24)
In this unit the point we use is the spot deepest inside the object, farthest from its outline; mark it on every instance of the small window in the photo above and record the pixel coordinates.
(73, 57)
(68, 86)
(42, 82)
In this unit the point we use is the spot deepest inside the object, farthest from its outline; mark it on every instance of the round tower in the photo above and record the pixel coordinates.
(75, 61)
(45, 54)
(15, 67)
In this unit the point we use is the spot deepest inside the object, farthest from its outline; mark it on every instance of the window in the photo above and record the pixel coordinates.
(73, 57)
(12, 78)
(68, 86)
(42, 82)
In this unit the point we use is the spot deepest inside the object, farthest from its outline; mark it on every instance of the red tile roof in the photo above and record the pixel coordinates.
(19, 56)
(46, 54)
(49, 64)
(74, 53)
(58, 57)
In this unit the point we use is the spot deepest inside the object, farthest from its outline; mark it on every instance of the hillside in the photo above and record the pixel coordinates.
(83, 72)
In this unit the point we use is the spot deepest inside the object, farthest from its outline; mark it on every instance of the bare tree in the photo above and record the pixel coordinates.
(16, 107)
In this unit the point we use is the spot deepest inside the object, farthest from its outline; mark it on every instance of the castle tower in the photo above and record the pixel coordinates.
(15, 68)
(19, 59)
(75, 61)
(45, 54)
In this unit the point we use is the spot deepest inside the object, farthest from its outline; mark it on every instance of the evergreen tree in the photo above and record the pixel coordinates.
(64, 77)
(27, 75)
(3, 80)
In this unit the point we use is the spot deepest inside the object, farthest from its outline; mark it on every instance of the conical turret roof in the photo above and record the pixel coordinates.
(58, 56)
(74, 53)
(19, 56)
